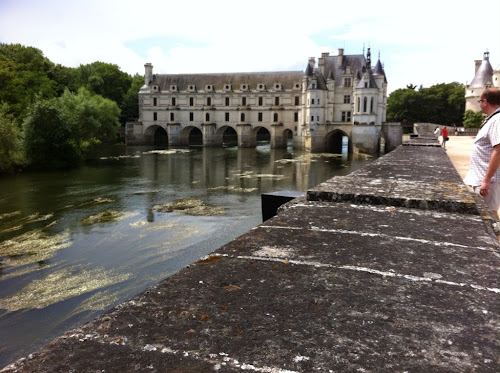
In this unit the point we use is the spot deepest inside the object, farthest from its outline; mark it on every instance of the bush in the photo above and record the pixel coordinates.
(473, 119)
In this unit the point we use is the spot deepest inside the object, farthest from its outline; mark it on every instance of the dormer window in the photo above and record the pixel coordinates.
(209, 88)
(296, 86)
(244, 87)
(277, 86)
(227, 87)
(192, 88)
(173, 88)
(261, 87)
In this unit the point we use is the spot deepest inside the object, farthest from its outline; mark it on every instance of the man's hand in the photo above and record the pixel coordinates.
(484, 189)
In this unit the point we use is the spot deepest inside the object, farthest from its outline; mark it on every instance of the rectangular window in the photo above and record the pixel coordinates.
(209, 101)
(171, 117)
(295, 117)
(173, 101)
(154, 101)
(243, 101)
(155, 116)
(227, 117)
(276, 101)
(297, 100)
(312, 101)
(312, 118)
(191, 101)
(191, 117)
(207, 117)
(347, 82)
(347, 99)
(346, 116)
(261, 100)
(260, 117)
(227, 101)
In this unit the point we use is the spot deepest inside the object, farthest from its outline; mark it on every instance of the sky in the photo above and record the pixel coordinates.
(423, 42)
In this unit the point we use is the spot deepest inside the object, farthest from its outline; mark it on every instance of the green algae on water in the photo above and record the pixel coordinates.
(32, 247)
(93, 202)
(59, 286)
(189, 206)
(107, 216)
(234, 188)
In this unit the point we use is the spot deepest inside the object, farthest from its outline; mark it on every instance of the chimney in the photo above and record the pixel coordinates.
(148, 74)
(312, 62)
(341, 57)
(321, 63)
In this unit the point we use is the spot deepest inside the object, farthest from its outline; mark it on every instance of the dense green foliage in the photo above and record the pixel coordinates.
(442, 104)
(130, 103)
(24, 74)
(473, 119)
(60, 132)
(48, 137)
(52, 115)
(11, 156)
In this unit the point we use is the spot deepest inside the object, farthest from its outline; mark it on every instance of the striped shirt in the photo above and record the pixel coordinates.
(487, 137)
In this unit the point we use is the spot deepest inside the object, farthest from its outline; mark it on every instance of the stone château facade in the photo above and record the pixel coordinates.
(484, 77)
(343, 97)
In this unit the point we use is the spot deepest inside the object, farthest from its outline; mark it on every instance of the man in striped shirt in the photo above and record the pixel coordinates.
(484, 174)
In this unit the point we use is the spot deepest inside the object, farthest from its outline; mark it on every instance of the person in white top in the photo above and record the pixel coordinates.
(484, 174)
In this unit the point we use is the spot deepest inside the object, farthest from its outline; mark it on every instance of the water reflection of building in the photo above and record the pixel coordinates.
(341, 97)
(484, 77)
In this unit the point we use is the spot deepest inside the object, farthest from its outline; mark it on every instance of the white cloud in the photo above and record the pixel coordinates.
(426, 42)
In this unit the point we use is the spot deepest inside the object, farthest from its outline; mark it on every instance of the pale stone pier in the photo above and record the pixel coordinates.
(394, 268)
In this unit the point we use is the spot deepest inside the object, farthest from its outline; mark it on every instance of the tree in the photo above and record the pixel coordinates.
(130, 104)
(404, 104)
(441, 103)
(473, 119)
(105, 79)
(11, 155)
(62, 132)
(24, 76)
(94, 119)
(48, 137)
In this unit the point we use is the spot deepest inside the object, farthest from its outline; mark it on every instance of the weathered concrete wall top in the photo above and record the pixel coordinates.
(349, 280)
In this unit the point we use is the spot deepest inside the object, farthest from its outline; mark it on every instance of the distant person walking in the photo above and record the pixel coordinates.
(444, 133)
(484, 174)
(437, 132)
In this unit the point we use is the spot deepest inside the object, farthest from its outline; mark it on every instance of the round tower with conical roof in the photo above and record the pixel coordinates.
(483, 78)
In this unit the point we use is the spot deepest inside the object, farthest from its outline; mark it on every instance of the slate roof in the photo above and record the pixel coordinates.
(484, 74)
(287, 79)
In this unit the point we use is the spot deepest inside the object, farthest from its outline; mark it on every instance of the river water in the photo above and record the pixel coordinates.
(75, 243)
